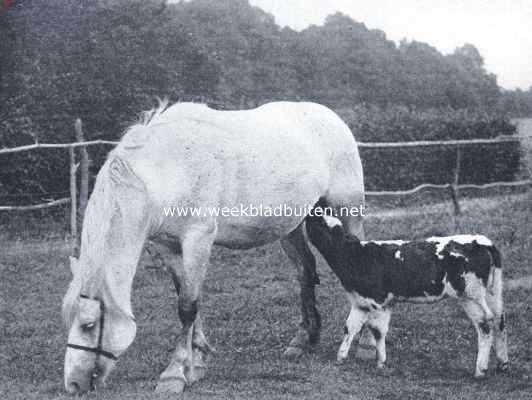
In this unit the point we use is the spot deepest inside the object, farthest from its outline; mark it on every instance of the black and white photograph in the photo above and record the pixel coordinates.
(265, 199)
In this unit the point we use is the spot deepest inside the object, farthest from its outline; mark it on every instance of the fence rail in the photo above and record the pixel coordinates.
(460, 142)
(36, 146)
(524, 182)
(363, 145)
(53, 203)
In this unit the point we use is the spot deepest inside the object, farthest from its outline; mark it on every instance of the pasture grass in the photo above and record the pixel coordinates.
(251, 311)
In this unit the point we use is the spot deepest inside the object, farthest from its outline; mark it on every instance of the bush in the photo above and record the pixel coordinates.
(404, 168)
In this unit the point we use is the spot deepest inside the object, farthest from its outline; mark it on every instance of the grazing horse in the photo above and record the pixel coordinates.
(191, 156)
(377, 273)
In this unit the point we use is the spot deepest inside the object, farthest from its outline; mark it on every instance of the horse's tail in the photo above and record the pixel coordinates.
(495, 281)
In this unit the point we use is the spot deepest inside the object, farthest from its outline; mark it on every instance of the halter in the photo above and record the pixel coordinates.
(98, 350)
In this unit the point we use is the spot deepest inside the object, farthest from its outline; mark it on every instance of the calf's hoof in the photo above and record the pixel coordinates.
(365, 352)
(502, 367)
(383, 370)
(170, 385)
(340, 360)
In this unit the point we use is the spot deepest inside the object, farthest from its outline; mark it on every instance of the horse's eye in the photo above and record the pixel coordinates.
(87, 327)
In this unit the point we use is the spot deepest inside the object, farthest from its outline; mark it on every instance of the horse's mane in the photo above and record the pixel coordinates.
(96, 223)
(102, 208)
(149, 116)
(164, 113)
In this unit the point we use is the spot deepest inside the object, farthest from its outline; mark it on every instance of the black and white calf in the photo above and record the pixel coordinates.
(375, 274)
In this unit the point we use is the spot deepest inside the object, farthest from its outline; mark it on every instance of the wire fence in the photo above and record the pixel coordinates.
(369, 145)
(454, 187)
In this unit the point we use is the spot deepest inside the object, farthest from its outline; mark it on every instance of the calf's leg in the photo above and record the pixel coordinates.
(484, 327)
(496, 304)
(378, 323)
(354, 225)
(355, 321)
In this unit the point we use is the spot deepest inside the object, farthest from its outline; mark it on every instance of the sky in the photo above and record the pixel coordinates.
(500, 29)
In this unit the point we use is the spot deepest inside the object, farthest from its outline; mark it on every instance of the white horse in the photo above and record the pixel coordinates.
(192, 156)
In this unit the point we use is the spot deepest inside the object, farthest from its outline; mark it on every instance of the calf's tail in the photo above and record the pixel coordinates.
(495, 256)
(525, 282)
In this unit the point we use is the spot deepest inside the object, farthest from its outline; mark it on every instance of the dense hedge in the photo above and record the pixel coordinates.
(404, 168)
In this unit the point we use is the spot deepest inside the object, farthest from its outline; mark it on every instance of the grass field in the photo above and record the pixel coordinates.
(251, 312)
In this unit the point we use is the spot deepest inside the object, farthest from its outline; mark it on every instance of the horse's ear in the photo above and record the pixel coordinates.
(73, 265)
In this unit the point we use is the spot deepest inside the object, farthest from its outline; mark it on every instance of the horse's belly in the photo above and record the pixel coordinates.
(263, 207)
(248, 232)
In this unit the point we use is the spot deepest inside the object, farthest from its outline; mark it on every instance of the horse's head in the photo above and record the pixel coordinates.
(98, 333)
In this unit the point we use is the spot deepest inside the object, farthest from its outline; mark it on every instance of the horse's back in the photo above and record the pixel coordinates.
(305, 120)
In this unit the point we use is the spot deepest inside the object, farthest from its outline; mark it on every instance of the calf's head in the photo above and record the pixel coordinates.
(326, 233)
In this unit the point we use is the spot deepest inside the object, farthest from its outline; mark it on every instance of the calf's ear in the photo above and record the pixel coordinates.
(332, 222)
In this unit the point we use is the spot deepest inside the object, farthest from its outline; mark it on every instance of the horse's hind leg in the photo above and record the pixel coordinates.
(196, 247)
(296, 248)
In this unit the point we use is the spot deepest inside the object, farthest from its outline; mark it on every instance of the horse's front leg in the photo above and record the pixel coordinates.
(196, 247)
(200, 350)
(200, 347)
(296, 248)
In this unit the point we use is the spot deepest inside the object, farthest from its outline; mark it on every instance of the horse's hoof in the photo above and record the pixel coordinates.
(170, 385)
(293, 353)
(502, 367)
(365, 353)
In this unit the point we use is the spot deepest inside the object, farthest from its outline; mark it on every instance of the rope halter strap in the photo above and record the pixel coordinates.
(98, 350)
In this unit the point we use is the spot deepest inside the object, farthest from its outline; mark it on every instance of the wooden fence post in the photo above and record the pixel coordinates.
(456, 181)
(73, 203)
(84, 173)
